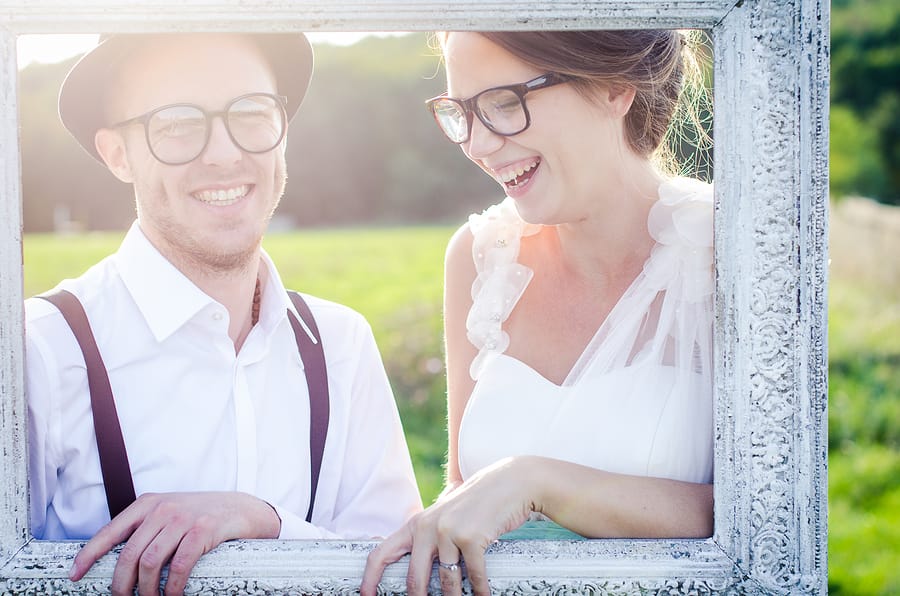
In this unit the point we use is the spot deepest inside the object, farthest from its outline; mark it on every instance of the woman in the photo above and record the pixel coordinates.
(578, 312)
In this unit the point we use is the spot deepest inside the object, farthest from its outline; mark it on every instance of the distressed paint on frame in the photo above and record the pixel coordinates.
(771, 68)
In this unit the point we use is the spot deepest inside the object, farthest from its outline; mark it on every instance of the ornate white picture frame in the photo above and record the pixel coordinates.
(771, 130)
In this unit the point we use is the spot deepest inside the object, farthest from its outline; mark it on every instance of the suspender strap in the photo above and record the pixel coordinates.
(113, 457)
(114, 466)
(313, 356)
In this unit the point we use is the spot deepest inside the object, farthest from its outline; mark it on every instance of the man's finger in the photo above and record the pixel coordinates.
(115, 532)
(193, 546)
(127, 572)
(155, 556)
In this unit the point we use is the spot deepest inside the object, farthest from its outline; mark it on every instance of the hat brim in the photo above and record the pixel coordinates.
(81, 106)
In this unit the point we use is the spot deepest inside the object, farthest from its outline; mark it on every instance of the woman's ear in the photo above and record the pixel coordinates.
(111, 146)
(619, 99)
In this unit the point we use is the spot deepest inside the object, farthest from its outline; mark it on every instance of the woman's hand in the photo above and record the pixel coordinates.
(594, 503)
(459, 527)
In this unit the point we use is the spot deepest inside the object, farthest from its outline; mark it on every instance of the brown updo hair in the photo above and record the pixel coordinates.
(646, 60)
(671, 105)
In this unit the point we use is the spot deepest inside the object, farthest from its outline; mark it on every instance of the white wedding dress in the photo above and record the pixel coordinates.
(639, 399)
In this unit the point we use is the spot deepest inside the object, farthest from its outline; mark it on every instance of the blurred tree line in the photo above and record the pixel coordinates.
(865, 99)
(362, 149)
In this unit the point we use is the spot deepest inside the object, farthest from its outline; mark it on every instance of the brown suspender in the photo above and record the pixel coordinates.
(313, 357)
(116, 472)
(113, 457)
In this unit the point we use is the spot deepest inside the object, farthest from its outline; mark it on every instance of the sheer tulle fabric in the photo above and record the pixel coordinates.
(639, 399)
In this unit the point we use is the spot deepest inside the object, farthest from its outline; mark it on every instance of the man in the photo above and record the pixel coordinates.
(192, 322)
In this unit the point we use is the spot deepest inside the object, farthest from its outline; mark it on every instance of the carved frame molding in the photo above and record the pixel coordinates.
(771, 130)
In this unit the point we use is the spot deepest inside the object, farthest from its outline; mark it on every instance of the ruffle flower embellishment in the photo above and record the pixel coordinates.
(500, 280)
(681, 222)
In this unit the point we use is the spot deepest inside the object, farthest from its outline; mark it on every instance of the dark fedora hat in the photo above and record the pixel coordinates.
(81, 96)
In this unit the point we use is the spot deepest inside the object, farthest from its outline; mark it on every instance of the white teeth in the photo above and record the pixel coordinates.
(222, 197)
(510, 175)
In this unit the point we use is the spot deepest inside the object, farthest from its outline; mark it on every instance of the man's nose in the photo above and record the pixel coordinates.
(221, 149)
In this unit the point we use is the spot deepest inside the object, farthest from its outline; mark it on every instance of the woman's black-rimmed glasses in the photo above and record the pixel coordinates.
(501, 109)
(178, 133)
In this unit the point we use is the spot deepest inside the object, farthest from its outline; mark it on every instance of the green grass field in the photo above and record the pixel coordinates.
(864, 441)
(864, 400)
(393, 277)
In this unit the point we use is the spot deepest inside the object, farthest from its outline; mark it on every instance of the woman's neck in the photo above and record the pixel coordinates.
(612, 240)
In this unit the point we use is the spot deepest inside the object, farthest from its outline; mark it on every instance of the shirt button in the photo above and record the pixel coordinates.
(217, 316)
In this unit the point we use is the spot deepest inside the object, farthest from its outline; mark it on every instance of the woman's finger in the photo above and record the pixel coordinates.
(389, 551)
(473, 553)
(449, 567)
(421, 561)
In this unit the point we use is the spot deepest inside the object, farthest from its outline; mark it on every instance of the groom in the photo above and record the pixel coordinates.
(231, 408)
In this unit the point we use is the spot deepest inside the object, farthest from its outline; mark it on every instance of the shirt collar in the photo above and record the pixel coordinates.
(163, 294)
(168, 299)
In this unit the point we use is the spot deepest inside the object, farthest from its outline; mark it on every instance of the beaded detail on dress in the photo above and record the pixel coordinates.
(500, 281)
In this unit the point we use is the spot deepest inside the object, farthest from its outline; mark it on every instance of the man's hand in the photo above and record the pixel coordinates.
(177, 528)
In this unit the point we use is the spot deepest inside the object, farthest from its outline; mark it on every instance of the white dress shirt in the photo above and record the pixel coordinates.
(195, 416)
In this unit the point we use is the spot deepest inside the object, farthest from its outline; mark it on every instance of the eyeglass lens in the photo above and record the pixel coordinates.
(179, 134)
(500, 110)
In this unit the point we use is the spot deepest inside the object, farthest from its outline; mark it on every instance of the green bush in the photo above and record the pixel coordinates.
(857, 167)
(865, 79)
(864, 520)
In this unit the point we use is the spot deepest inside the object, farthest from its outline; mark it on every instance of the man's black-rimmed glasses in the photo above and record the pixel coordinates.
(178, 133)
(501, 109)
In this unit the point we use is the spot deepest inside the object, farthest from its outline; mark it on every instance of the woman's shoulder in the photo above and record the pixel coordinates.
(683, 215)
(458, 265)
(681, 223)
(495, 235)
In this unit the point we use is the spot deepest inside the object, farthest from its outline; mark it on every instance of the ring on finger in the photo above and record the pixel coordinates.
(448, 566)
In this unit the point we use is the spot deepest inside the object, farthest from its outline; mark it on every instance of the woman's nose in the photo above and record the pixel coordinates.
(482, 141)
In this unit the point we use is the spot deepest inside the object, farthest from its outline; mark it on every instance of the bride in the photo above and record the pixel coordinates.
(578, 311)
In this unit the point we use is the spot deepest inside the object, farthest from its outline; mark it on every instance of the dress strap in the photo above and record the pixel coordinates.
(500, 279)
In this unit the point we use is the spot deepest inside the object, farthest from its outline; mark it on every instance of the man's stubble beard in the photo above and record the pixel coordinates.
(189, 255)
